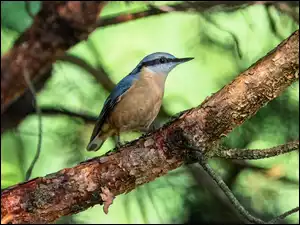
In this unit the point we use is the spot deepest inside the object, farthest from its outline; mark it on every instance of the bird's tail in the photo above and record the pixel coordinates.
(96, 143)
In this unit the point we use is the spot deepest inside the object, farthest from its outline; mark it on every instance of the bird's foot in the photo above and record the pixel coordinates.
(151, 128)
(118, 141)
(118, 144)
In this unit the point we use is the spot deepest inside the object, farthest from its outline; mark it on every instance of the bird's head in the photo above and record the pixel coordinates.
(160, 62)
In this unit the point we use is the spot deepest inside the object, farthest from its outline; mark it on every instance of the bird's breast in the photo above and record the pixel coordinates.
(139, 106)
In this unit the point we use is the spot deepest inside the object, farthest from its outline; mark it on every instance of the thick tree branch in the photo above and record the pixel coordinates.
(72, 190)
(257, 153)
(58, 26)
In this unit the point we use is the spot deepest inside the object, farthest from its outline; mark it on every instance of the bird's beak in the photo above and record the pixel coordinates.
(182, 60)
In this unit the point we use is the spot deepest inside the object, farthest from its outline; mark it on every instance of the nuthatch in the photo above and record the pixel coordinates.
(136, 100)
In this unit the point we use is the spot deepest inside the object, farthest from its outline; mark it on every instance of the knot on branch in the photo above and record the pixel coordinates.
(178, 141)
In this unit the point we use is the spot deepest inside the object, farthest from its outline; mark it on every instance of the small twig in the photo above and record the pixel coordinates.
(28, 10)
(257, 153)
(99, 73)
(117, 19)
(282, 216)
(203, 162)
(39, 114)
(186, 6)
(58, 111)
(229, 194)
(236, 203)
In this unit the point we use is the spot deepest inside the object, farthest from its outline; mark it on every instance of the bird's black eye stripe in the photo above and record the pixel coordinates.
(156, 61)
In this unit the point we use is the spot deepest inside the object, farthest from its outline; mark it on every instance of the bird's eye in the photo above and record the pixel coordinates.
(162, 60)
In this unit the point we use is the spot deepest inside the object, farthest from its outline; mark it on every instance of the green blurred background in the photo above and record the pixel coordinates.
(223, 44)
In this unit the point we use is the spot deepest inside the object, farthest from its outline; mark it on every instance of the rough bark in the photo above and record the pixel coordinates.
(71, 190)
(58, 26)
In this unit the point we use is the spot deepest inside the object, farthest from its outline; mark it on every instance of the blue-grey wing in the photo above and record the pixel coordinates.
(111, 101)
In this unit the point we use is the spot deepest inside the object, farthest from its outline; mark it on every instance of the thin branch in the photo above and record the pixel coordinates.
(39, 114)
(58, 111)
(98, 73)
(284, 215)
(257, 153)
(117, 19)
(229, 194)
(186, 6)
(71, 190)
(204, 180)
(22, 107)
(235, 202)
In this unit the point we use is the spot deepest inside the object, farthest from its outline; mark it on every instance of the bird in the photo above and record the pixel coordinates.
(135, 101)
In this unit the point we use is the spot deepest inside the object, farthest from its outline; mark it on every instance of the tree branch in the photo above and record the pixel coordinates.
(257, 153)
(246, 215)
(75, 189)
(189, 6)
(58, 111)
(230, 195)
(99, 73)
(38, 112)
(57, 27)
(284, 215)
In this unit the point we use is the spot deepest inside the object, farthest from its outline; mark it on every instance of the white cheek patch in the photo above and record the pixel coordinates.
(160, 69)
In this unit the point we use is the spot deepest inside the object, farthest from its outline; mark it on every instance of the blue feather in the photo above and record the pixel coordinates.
(113, 99)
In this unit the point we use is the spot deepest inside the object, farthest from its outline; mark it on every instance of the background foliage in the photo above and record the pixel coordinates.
(223, 44)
